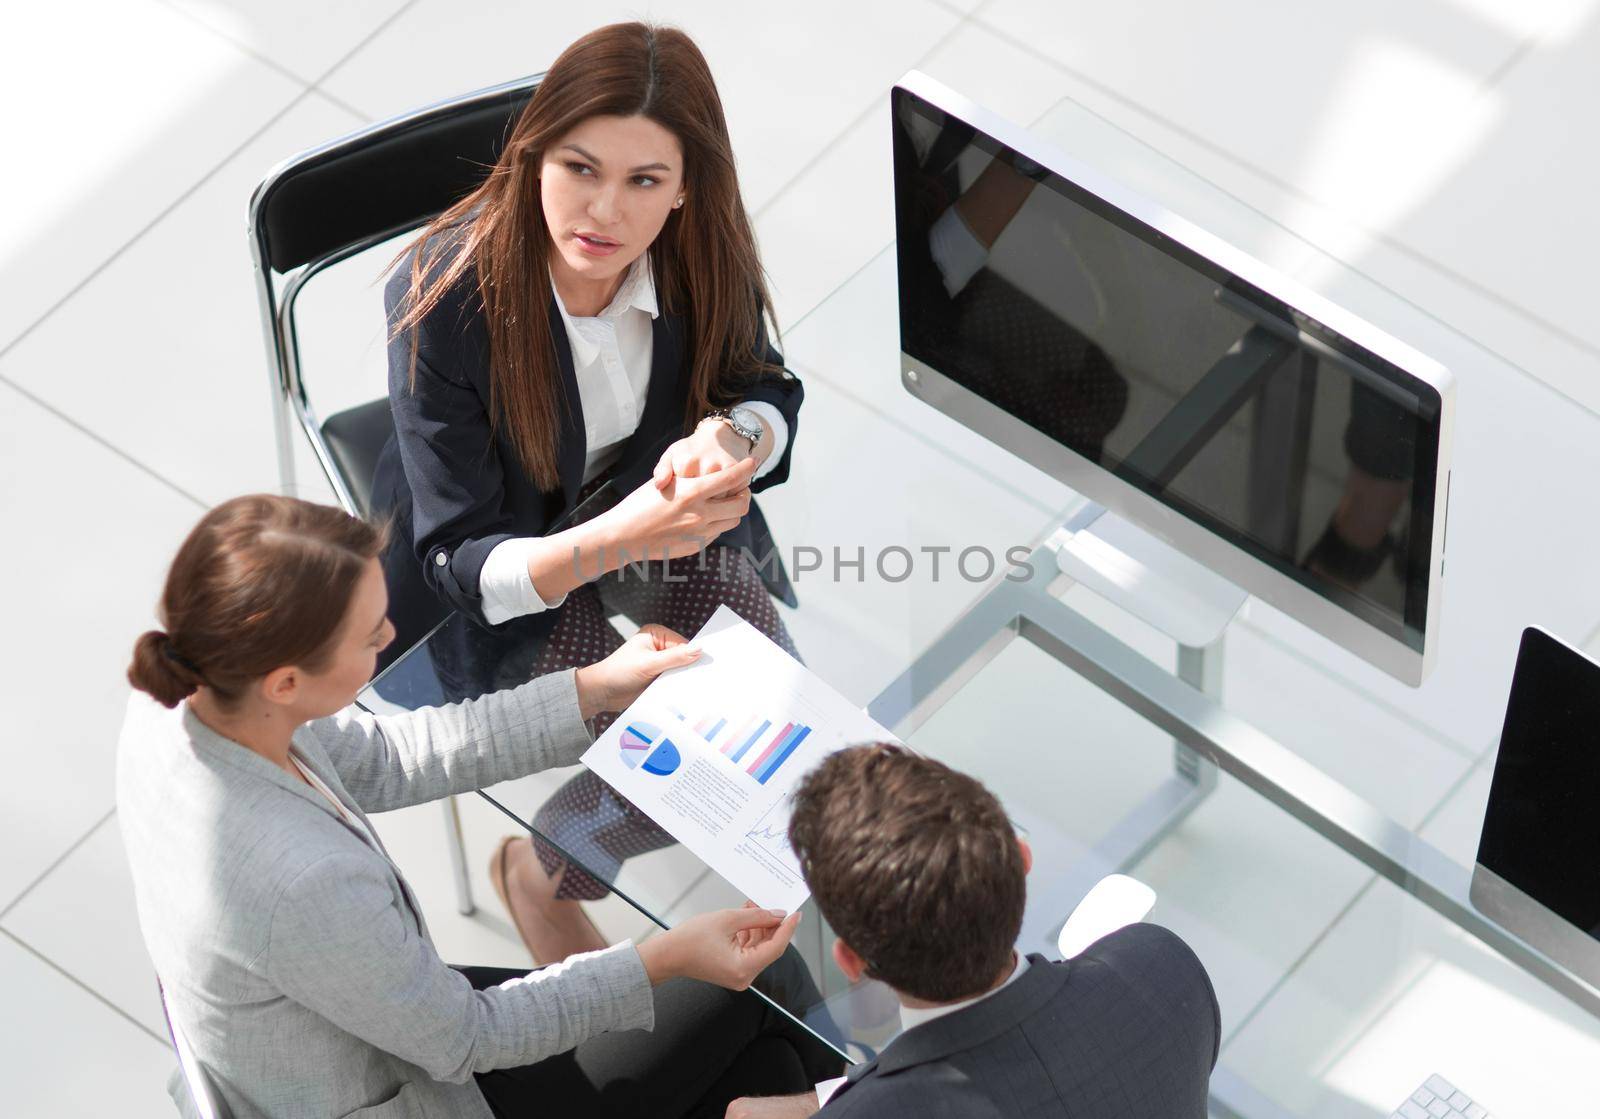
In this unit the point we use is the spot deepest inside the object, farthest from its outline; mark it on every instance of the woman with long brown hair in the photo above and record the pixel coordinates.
(293, 954)
(594, 312)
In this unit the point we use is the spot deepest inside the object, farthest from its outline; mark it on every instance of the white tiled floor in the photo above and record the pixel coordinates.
(168, 387)
(1441, 147)
(112, 136)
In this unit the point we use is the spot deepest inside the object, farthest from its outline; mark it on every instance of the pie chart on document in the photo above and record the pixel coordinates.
(644, 747)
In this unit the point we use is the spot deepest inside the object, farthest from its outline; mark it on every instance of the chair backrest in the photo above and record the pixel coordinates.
(203, 1095)
(334, 201)
(383, 180)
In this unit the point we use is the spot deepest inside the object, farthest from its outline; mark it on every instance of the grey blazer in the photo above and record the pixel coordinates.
(294, 955)
(1128, 1028)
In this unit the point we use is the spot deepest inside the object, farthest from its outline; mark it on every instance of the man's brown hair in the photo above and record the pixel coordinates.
(914, 865)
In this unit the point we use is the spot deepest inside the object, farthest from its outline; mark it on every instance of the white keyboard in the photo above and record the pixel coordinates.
(1440, 1099)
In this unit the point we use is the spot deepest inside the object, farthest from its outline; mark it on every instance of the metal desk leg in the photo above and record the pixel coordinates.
(458, 856)
(1154, 818)
(1026, 608)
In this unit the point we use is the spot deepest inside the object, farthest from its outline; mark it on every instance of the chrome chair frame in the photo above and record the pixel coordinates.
(203, 1094)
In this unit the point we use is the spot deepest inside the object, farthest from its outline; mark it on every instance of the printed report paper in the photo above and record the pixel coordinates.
(712, 751)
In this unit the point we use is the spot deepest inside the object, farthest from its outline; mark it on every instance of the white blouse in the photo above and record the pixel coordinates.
(611, 356)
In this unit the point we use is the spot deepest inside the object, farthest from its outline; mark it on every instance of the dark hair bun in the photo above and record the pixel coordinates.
(156, 671)
(261, 582)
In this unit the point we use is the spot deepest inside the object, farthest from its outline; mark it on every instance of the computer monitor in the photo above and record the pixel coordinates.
(1537, 872)
(1273, 437)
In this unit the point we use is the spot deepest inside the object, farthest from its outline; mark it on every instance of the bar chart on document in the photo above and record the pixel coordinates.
(713, 751)
(759, 745)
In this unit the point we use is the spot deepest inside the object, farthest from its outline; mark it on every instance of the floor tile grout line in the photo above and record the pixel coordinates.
(1428, 817)
(1378, 1013)
(1518, 53)
(987, 475)
(104, 442)
(683, 895)
(1282, 981)
(890, 243)
(1565, 335)
(362, 43)
(160, 217)
(80, 984)
(1593, 633)
(344, 105)
(243, 47)
(139, 235)
(1344, 681)
(859, 119)
(1523, 48)
(210, 174)
(55, 864)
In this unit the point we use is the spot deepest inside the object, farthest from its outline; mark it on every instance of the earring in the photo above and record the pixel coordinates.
(679, 203)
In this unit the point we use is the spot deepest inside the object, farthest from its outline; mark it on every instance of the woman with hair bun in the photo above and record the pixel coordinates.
(293, 954)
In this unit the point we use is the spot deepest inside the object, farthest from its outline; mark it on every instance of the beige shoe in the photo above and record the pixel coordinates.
(551, 929)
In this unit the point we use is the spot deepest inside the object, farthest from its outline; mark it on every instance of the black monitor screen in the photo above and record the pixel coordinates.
(1541, 830)
(1306, 450)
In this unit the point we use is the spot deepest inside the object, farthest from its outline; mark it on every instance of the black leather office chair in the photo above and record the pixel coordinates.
(328, 204)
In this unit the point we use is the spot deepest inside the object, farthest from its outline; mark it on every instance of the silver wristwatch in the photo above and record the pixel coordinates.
(744, 421)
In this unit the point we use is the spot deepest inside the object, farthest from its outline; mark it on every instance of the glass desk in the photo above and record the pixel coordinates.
(1308, 824)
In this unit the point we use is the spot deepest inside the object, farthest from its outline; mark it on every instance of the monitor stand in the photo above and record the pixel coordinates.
(1149, 580)
(1145, 576)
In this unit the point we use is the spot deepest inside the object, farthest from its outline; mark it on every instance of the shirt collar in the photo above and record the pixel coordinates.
(637, 293)
(912, 1016)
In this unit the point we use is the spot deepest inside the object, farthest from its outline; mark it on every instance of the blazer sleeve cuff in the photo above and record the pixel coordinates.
(456, 570)
(633, 998)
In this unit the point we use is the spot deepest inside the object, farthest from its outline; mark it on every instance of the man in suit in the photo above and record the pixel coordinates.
(919, 872)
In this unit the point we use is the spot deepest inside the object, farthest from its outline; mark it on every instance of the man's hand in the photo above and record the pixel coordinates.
(773, 1107)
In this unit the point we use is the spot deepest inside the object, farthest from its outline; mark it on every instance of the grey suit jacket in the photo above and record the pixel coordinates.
(1129, 1028)
(294, 955)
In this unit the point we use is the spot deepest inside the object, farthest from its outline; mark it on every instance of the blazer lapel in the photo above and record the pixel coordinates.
(232, 754)
(314, 758)
(574, 446)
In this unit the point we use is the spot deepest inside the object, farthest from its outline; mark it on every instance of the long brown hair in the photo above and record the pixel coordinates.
(704, 261)
(261, 582)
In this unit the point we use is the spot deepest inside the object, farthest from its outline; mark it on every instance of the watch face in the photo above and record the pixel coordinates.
(747, 423)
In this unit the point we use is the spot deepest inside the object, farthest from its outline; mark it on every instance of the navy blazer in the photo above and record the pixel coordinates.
(454, 489)
(1128, 1028)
